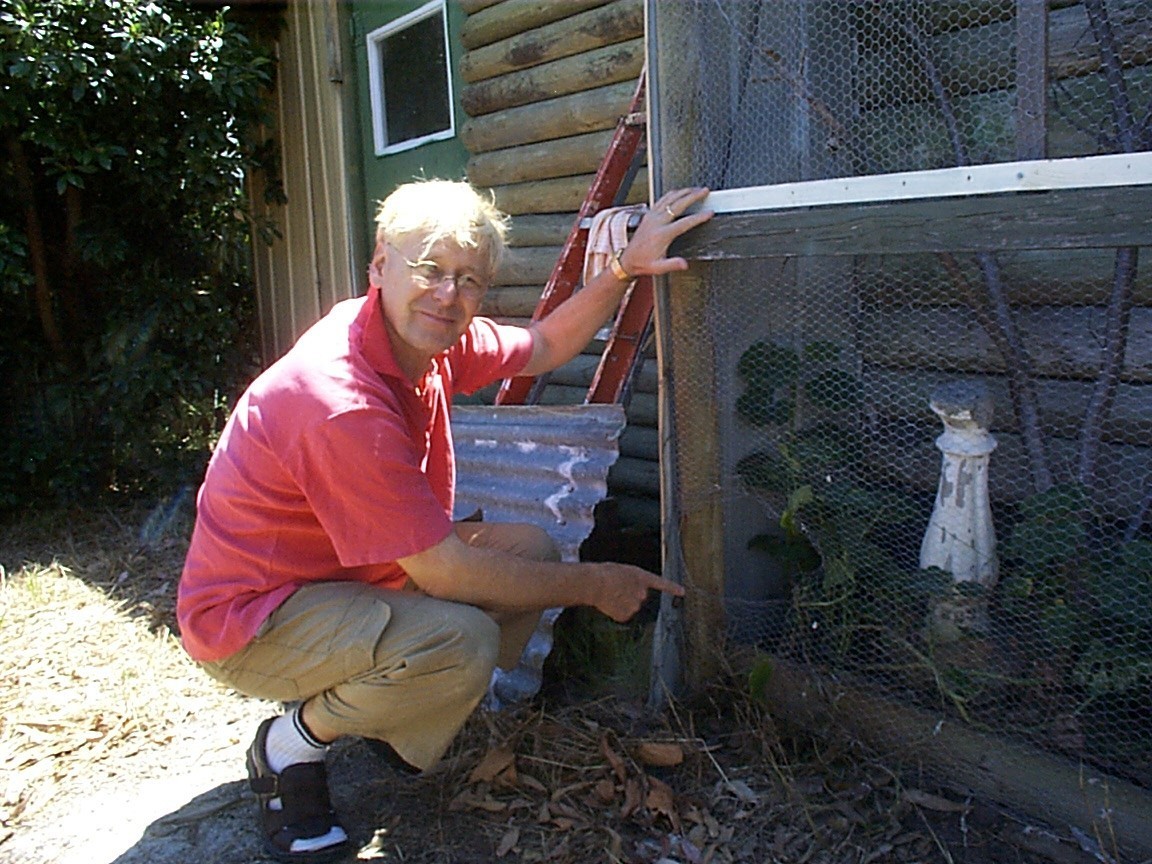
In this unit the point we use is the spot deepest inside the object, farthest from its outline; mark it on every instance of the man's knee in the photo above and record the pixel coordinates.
(515, 538)
(531, 541)
(465, 646)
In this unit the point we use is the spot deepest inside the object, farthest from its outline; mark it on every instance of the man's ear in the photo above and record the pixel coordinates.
(376, 265)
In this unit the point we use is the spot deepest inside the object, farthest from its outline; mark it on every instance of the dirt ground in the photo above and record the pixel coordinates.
(115, 748)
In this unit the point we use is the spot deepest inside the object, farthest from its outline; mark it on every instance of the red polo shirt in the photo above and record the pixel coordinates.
(331, 467)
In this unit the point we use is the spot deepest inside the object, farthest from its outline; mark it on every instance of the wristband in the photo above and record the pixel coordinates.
(618, 269)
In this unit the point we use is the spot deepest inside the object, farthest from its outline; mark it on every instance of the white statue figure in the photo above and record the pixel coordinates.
(960, 538)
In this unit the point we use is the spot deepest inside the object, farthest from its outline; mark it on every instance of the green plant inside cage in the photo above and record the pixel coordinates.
(1067, 655)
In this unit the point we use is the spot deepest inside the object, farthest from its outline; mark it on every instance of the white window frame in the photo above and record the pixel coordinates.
(376, 80)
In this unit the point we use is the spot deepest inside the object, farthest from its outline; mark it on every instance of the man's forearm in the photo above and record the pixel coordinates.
(498, 580)
(573, 324)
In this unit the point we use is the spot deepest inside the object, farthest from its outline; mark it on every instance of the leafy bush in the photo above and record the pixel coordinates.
(124, 274)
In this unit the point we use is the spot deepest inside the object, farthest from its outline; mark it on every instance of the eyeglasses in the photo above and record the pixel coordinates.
(429, 275)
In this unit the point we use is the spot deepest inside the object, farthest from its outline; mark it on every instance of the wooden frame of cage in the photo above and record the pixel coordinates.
(1099, 202)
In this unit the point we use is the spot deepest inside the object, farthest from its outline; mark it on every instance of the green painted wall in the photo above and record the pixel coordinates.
(379, 175)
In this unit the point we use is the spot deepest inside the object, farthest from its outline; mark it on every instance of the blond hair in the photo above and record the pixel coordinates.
(443, 209)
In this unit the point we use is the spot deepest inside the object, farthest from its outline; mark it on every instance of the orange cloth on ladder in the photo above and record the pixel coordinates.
(607, 235)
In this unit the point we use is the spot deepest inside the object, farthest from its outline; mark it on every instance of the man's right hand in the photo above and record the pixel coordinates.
(624, 589)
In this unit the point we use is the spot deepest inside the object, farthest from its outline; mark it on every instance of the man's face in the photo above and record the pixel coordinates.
(428, 298)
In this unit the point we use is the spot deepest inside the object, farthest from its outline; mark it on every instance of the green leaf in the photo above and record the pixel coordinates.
(1113, 668)
(834, 390)
(768, 366)
(763, 408)
(759, 678)
(1046, 543)
(822, 352)
(1061, 501)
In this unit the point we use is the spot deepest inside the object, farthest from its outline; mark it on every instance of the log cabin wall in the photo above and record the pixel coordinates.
(545, 84)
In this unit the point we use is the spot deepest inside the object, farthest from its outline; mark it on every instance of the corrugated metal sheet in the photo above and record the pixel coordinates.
(545, 465)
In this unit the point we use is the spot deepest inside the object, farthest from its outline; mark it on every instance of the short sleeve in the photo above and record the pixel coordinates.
(362, 477)
(488, 352)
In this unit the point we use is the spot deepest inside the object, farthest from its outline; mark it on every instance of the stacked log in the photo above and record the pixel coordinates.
(545, 84)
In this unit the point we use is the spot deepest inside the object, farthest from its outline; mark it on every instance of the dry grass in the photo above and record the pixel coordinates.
(91, 671)
(90, 674)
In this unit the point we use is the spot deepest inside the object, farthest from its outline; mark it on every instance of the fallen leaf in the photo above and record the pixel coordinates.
(613, 759)
(497, 762)
(508, 841)
(742, 791)
(632, 798)
(605, 790)
(471, 800)
(658, 754)
(530, 782)
(660, 800)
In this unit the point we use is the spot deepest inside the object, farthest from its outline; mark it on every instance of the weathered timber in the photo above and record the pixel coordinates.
(636, 476)
(641, 410)
(546, 229)
(1072, 277)
(560, 195)
(979, 59)
(637, 511)
(515, 16)
(579, 372)
(586, 111)
(904, 393)
(560, 157)
(471, 7)
(604, 25)
(608, 65)
(641, 442)
(1031, 112)
(1062, 342)
(528, 265)
(694, 433)
(511, 301)
(1059, 219)
(1049, 788)
(915, 136)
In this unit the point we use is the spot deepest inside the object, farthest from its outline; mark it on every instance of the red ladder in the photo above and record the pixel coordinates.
(633, 322)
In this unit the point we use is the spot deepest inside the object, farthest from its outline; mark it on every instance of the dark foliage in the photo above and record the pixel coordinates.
(128, 129)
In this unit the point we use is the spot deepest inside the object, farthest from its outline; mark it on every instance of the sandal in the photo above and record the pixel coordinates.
(297, 821)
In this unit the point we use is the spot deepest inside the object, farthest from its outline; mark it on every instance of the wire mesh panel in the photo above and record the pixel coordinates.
(928, 460)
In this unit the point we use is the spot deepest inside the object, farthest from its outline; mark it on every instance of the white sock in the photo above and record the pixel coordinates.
(290, 742)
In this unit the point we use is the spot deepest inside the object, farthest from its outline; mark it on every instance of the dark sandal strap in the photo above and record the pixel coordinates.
(305, 809)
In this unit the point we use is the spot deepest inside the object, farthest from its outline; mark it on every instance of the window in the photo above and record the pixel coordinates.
(410, 82)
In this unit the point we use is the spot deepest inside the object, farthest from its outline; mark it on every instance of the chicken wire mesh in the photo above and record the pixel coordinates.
(933, 469)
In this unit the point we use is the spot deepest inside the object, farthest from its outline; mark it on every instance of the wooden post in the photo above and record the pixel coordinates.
(690, 489)
(1041, 784)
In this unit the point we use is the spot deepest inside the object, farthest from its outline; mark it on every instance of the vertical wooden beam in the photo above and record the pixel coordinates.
(692, 506)
(1031, 79)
